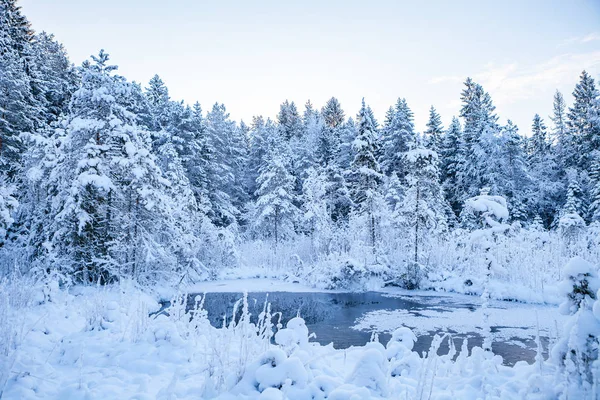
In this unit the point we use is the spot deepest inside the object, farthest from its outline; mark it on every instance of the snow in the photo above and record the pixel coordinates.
(494, 205)
(99, 343)
(250, 285)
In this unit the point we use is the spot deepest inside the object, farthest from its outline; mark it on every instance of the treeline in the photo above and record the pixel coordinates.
(101, 177)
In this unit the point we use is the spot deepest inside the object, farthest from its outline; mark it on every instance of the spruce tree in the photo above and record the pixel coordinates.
(397, 138)
(562, 137)
(158, 99)
(480, 128)
(333, 114)
(434, 132)
(111, 204)
(585, 133)
(595, 187)
(365, 175)
(275, 211)
(422, 213)
(289, 121)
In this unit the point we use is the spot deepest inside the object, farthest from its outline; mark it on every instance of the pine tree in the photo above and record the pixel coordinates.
(562, 137)
(480, 129)
(579, 122)
(261, 137)
(397, 138)
(452, 158)
(332, 113)
(112, 194)
(595, 188)
(158, 99)
(435, 131)
(422, 211)
(289, 121)
(546, 187)
(316, 217)
(275, 212)
(19, 111)
(8, 205)
(365, 174)
(56, 77)
(511, 174)
(346, 150)
(575, 203)
(228, 149)
(539, 145)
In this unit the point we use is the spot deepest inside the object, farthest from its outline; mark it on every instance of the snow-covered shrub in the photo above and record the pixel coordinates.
(371, 372)
(8, 205)
(577, 351)
(571, 226)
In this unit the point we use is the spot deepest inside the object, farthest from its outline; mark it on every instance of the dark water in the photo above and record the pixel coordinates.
(331, 317)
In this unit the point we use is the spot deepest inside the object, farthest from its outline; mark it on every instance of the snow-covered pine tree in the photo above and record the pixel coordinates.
(20, 111)
(157, 94)
(333, 114)
(538, 144)
(562, 137)
(575, 202)
(546, 187)
(452, 158)
(275, 211)
(346, 151)
(594, 174)
(422, 213)
(227, 157)
(111, 216)
(365, 175)
(8, 205)
(586, 134)
(510, 173)
(290, 123)
(397, 138)
(434, 134)
(316, 217)
(480, 128)
(576, 353)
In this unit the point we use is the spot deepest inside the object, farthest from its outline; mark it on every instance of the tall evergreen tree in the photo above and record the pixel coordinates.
(586, 134)
(452, 158)
(422, 212)
(365, 175)
(275, 211)
(227, 157)
(158, 99)
(562, 137)
(397, 138)
(480, 128)
(111, 204)
(333, 114)
(435, 131)
(289, 120)
(595, 187)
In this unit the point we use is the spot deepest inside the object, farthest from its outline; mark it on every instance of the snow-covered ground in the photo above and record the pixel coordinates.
(102, 343)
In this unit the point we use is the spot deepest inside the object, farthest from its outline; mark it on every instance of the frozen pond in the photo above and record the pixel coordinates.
(348, 319)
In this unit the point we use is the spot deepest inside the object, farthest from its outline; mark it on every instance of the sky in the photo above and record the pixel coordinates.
(253, 55)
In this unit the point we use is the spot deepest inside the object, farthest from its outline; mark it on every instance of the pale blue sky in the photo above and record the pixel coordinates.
(252, 55)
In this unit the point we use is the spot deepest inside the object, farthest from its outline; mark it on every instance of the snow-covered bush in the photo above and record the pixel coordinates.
(577, 351)
(8, 205)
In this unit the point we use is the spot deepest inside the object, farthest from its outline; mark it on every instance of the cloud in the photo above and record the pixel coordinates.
(590, 37)
(511, 82)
